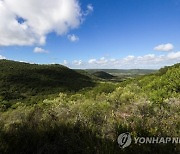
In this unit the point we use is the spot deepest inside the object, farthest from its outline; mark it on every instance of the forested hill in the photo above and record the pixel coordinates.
(124, 71)
(103, 75)
(20, 80)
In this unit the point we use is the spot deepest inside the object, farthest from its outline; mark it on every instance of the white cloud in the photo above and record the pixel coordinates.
(65, 62)
(2, 57)
(92, 61)
(129, 58)
(73, 38)
(164, 47)
(101, 61)
(22, 61)
(90, 7)
(77, 62)
(150, 61)
(27, 22)
(39, 50)
(89, 10)
(174, 55)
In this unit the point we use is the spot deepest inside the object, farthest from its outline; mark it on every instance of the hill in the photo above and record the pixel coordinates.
(119, 72)
(162, 85)
(103, 75)
(21, 80)
(91, 119)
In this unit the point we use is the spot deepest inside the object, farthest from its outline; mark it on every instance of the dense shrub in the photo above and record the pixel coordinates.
(90, 120)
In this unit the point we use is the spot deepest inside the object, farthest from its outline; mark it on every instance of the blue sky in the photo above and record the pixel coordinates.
(107, 34)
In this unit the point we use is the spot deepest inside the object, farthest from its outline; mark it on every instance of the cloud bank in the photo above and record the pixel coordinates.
(27, 22)
(150, 61)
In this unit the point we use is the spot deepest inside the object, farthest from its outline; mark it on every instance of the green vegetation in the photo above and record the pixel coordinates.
(123, 72)
(117, 75)
(103, 75)
(24, 81)
(90, 119)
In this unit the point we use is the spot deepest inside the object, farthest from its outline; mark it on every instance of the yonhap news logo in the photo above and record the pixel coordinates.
(125, 139)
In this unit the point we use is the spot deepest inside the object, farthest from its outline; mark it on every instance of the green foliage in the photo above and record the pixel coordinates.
(160, 87)
(123, 71)
(103, 75)
(90, 120)
(27, 81)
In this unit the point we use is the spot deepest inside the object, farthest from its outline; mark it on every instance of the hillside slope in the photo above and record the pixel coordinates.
(91, 119)
(124, 71)
(103, 75)
(162, 85)
(20, 80)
